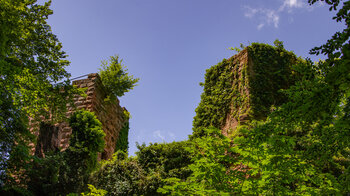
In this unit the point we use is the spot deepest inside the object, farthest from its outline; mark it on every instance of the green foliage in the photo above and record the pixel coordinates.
(227, 83)
(80, 159)
(278, 43)
(169, 159)
(211, 162)
(143, 174)
(87, 132)
(334, 47)
(43, 174)
(302, 148)
(119, 176)
(271, 71)
(216, 98)
(14, 191)
(19, 158)
(123, 141)
(28, 71)
(94, 191)
(236, 49)
(115, 77)
(31, 62)
(68, 171)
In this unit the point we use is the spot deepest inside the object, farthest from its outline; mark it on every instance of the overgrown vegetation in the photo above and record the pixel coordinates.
(143, 174)
(272, 71)
(217, 95)
(68, 171)
(31, 64)
(123, 139)
(115, 77)
(35, 84)
(302, 148)
(210, 168)
(295, 139)
(265, 70)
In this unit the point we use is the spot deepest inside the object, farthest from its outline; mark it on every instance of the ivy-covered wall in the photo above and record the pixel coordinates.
(244, 87)
(113, 117)
(123, 138)
(271, 72)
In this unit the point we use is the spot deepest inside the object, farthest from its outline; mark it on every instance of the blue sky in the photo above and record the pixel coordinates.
(169, 44)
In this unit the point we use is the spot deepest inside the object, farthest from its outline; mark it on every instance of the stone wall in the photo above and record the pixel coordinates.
(241, 82)
(258, 83)
(111, 115)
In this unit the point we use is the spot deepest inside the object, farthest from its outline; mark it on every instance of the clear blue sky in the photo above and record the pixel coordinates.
(169, 44)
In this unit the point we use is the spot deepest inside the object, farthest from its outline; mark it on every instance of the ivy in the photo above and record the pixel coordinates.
(32, 62)
(68, 171)
(217, 95)
(244, 90)
(271, 72)
(122, 143)
(87, 132)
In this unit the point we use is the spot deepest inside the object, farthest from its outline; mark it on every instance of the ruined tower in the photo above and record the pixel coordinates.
(245, 87)
(111, 115)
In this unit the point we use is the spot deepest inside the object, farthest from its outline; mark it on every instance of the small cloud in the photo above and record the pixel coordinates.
(172, 135)
(261, 25)
(250, 12)
(292, 4)
(164, 136)
(138, 134)
(271, 17)
(157, 134)
(266, 16)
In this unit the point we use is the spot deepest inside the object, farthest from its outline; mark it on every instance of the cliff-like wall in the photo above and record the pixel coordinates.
(244, 87)
(110, 114)
(238, 112)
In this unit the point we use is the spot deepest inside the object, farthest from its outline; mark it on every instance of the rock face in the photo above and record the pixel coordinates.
(111, 115)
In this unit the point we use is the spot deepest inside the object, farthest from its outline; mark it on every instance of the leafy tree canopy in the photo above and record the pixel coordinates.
(31, 64)
(143, 174)
(115, 77)
(86, 131)
(302, 148)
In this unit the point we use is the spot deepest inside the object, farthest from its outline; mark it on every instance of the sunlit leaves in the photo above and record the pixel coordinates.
(115, 77)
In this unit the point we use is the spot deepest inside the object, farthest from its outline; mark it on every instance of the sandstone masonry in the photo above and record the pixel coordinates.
(111, 115)
(257, 83)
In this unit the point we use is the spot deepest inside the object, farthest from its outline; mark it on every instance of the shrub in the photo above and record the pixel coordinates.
(66, 172)
(115, 77)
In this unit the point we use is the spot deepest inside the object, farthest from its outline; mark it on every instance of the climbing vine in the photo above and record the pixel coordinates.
(271, 72)
(122, 142)
(217, 95)
(67, 171)
(244, 86)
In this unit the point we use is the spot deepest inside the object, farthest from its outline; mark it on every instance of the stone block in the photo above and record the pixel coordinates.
(111, 115)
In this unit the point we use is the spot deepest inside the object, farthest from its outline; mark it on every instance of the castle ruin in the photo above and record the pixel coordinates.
(111, 115)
